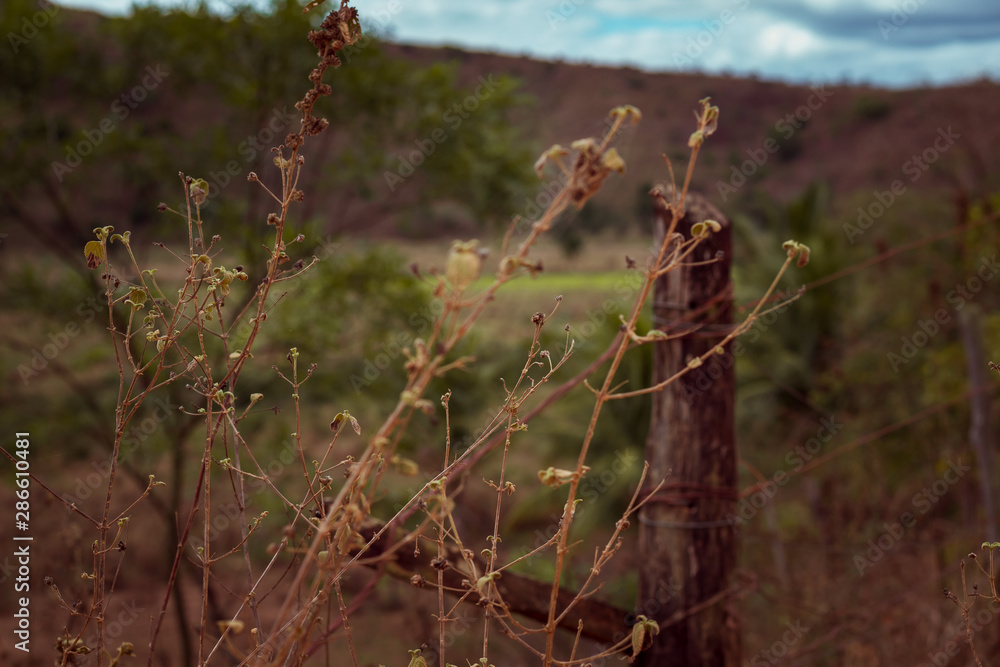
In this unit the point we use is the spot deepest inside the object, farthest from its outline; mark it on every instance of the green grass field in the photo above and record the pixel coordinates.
(586, 281)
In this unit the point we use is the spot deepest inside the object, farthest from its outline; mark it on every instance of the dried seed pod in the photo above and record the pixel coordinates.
(464, 264)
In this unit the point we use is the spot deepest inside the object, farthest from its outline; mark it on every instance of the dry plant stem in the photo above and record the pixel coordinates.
(600, 559)
(990, 573)
(576, 640)
(416, 387)
(359, 600)
(661, 265)
(239, 490)
(120, 422)
(742, 328)
(347, 623)
(969, 599)
(129, 400)
(534, 350)
(296, 385)
(232, 374)
(966, 607)
(206, 556)
(324, 527)
(52, 492)
(613, 543)
(252, 592)
(496, 527)
(497, 438)
(122, 417)
(570, 507)
(442, 619)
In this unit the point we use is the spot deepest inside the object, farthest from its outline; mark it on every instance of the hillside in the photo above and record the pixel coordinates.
(858, 138)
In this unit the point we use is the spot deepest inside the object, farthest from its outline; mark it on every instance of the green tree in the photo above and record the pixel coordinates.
(219, 101)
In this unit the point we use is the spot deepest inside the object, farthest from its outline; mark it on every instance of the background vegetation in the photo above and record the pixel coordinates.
(828, 356)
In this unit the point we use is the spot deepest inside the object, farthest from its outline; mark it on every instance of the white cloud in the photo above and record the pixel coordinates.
(786, 40)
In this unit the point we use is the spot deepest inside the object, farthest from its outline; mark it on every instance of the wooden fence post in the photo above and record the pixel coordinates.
(687, 547)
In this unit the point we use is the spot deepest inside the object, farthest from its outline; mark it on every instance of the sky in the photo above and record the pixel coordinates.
(893, 43)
